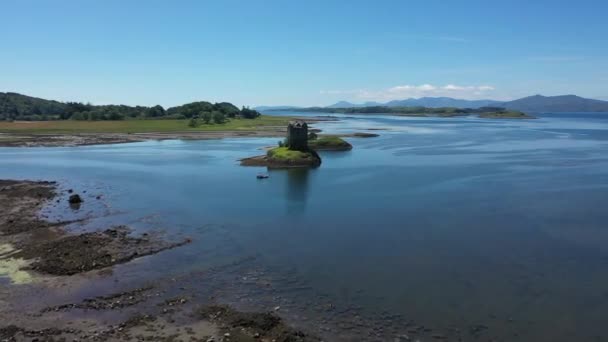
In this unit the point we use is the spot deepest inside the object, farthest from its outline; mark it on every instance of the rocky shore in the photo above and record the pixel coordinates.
(49, 250)
(282, 158)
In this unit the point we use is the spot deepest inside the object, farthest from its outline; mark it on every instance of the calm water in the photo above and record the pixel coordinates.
(450, 223)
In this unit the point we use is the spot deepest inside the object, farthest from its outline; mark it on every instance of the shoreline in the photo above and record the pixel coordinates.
(66, 133)
(33, 248)
(88, 139)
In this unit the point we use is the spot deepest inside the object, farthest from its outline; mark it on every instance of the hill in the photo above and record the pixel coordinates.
(484, 112)
(428, 102)
(15, 106)
(564, 103)
(537, 103)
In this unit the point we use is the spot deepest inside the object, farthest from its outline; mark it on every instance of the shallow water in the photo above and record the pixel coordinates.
(449, 222)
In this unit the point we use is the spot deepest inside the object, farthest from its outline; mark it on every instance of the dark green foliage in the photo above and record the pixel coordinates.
(154, 112)
(249, 113)
(218, 117)
(228, 109)
(15, 106)
(20, 107)
(207, 117)
(191, 109)
(193, 123)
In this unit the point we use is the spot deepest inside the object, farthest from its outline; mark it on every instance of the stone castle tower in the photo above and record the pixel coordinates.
(297, 135)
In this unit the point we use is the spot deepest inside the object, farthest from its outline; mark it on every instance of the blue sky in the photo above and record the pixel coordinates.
(301, 52)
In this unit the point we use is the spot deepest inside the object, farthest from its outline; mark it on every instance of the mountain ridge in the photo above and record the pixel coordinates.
(535, 103)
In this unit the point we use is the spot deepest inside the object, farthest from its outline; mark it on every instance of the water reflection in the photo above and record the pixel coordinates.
(297, 190)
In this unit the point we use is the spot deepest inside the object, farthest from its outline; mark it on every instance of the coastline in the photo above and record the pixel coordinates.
(85, 139)
(70, 133)
(46, 257)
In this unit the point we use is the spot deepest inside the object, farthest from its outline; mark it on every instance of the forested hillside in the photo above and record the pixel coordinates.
(15, 106)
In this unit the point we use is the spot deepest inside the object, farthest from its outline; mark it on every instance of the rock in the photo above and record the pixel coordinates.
(75, 199)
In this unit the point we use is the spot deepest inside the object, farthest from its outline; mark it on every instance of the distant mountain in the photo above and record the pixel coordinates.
(564, 103)
(343, 104)
(429, 102)
(438, 102)
(537, 103)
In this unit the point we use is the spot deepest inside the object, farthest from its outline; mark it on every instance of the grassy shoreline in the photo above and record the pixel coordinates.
(137, 126)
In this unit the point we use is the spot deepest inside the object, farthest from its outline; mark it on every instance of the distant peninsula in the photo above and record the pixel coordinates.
(483, 112)
(530, 104)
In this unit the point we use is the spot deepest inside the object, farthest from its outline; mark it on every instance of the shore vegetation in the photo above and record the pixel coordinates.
(139, 126)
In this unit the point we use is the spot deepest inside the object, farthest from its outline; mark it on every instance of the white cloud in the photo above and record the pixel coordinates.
(401, 92)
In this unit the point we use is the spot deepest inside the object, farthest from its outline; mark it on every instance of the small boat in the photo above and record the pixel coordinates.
(262, 176)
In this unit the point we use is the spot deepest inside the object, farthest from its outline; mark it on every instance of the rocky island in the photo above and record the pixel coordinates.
(328, 143)
(294, 152)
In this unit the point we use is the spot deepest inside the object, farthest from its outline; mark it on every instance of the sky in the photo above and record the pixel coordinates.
(249, 52)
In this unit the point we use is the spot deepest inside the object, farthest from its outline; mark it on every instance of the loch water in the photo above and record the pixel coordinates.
(495, 228)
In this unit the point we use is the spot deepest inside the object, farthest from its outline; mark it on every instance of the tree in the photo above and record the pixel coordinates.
(154, 112)
(218, 117)
(193, 122)
(207, 117)
(228, 109)
(249, 113)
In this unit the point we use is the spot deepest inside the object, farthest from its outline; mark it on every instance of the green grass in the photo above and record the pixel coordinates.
(137, 126)
(328, 141)
(284, 154)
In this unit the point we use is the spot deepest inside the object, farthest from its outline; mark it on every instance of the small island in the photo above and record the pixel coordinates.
(505, 114)
(294, 152)
(328, 143)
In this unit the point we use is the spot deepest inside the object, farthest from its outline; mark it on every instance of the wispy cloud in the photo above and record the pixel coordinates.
(407, 91)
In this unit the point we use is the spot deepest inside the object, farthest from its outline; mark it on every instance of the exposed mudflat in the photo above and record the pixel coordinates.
(100, 138)
(19, 204)
(154, 312)
(82, 139)
(81, 253)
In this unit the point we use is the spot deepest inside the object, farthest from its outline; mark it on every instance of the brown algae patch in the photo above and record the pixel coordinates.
(89, 251)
